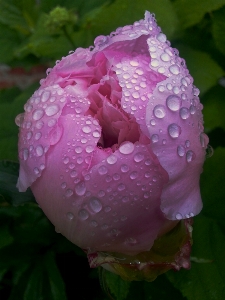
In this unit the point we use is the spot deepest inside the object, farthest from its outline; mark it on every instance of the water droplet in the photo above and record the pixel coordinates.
(187, 143)
(159, 111)
(173, 102)
(133, 175)
(78, 150)
(209, 151)
(80, 188)
(125, 199)
(93, 223)
(83, 214)
(68, 193)
(131, 241)
(190, 156)
(63, 185)
(174, 69)
(66, 160)
(25, 154)
(112, 159)
(39, 125)
(19, 119)
(39, 150)
(135, 95)
(102, 170)
(155, 138)
(153, 122)
(184, 113)
(104, 227)
(86, 129)
(126, 148)
(45, 96)
(95, 205)
(203, 139)
(70, 216)
(51, 110)
(174, 130)
(192, 109)
(180, 150)
(134, 63)
(38, 114)
(116, 176)
(51, 122)
(161, 37)
(121, 187)
(36, 171)
(107, 209)
(124, 168)
(89, 149)
(154, 63)
(165, 57)
(138, 157)
(96, 134)
(179, 216)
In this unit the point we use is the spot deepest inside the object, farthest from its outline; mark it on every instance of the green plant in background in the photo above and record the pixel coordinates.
(34, 259)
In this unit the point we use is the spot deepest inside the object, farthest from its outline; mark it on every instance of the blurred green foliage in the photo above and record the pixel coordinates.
(36, 263)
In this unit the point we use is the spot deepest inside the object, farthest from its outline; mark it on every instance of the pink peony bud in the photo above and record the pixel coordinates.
(112, 143)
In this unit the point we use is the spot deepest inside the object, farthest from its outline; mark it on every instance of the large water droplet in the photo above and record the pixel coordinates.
(38, 114)
(155, 138)
(138, 157)
(124, 168)
(45, 96)
(159, 111)
(179, 216)
(174, 69)
(112, 159)
(184, 113)
(180, 150)
(80, 188)
(126, 148)
(51, 110)
(19, 119)
(69, 216)
(95, 205)
(121, 187)
(133, 175)
(102, 170)
(39, 150)
(174, 130)
(190, 155)
(173, 102)
(86, 129)
(83, 214)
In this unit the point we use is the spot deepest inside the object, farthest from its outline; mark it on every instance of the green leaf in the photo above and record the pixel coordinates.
(125, 12)
(205, 71)
(113, 284)
(212, 187)
(9, 41)
(190, 12)
(214, 108)
(5, 237)
(56, 282)
(218, 28)
(204, 280)
(8, 178)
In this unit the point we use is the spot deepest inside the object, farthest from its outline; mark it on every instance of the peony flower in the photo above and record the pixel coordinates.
(112, 146)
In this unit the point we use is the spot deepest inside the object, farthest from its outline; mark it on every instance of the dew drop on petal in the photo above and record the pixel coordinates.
(38, 114)
(173, 102)
(86, 129)
(69, 216)
(68, 193)
(124, 168)
(138, 157)
(155, 138)
(190, 156)
(159, 111)
(179, 216)
(19, 119)
(83, 214)
(180, 150)
(112, 159)
(131, 241)
(174, 69)
(102, 170)
(51, 110)
(126, 148)
(39, 150)
(80, 188)
(45, 96)
(95, 205)
(184, 113)
(174, 130)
